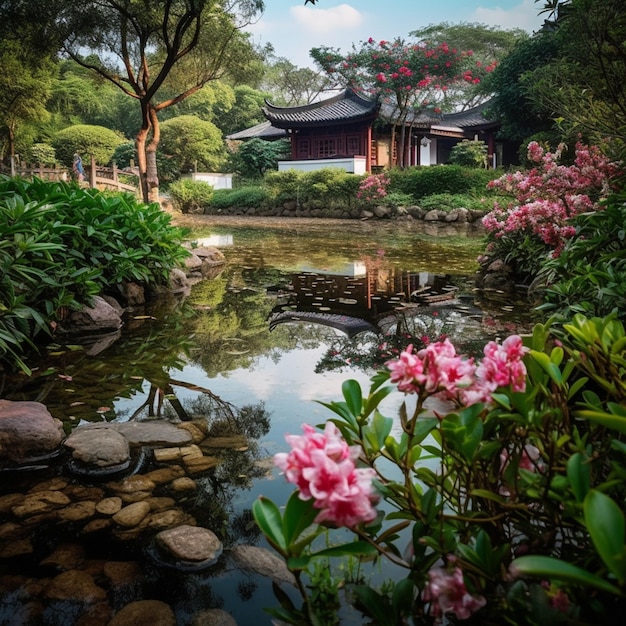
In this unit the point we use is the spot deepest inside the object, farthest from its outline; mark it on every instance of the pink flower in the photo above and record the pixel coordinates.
(447, 593)
(322, 466)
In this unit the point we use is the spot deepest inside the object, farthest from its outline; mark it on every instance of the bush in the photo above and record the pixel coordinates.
(469, 153)
(42, 154)
(61, 245)
(588, 276)
(326, 188)
(420, 182)
(86, 140)
(244, 197)
(257, 156)
(449, 201)
(190, 196)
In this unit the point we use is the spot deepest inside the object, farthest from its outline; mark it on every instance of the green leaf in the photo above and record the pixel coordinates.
(353, 396)
(267, 516)
(355, 548)
(299, 515)
(548, 567)
(602, 418)
(547, 365)
(605, 522)
(579, 475)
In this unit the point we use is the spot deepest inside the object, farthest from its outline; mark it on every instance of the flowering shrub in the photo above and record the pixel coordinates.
(373, 188)
(548, 195)
(521, 518)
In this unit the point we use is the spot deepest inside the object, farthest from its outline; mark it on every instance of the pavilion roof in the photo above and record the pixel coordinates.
(264, 130)
(347, 106)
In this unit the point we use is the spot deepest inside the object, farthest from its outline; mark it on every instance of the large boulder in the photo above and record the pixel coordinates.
(27, 431)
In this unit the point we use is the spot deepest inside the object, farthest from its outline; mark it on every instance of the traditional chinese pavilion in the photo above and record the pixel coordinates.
(353, 132)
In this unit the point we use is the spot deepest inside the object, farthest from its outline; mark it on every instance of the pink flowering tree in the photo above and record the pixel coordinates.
(406, 77)
(496, 492)
(373, 188)
(544, 199)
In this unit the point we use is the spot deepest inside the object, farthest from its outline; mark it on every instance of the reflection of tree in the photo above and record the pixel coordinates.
(418, 327)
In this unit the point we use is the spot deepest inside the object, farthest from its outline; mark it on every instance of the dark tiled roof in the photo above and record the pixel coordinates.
(347, 106)
(471, 118)
(264, 130)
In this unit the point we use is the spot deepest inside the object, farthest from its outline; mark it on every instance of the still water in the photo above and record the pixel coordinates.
(297, 308)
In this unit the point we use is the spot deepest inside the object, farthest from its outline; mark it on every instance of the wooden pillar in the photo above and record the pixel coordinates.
(92, 172)
(368, 149)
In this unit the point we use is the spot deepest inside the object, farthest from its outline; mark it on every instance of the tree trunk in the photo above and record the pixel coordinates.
(152, 175)
(140, 146)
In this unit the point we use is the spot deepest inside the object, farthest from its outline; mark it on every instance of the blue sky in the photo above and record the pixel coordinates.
(293, 29)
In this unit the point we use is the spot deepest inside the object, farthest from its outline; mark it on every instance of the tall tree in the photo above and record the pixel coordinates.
(401, 74)
(585, 87)
(489, 45)
(158, 52)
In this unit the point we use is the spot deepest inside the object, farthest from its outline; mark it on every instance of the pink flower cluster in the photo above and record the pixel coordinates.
(373, 188)
(447, 592)
(549, 194)
(322, 466)
(439, 371)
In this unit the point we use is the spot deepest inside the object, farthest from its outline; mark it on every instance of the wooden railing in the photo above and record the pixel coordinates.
(95, 176)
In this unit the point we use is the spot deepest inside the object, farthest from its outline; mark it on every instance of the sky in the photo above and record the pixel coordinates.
(293, 28)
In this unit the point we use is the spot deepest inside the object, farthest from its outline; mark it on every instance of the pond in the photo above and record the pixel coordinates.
(298, 307)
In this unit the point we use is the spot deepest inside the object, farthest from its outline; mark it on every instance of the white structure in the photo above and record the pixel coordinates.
(217, 181)
(352, 165)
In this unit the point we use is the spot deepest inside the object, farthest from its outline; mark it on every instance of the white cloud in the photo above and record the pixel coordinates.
(523, 15)
(324, 21)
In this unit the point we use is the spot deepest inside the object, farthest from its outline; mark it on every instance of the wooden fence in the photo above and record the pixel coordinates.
(96, 177)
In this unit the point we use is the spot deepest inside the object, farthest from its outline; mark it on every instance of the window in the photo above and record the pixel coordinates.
(326, 148)
(303, 149)
(353, 145)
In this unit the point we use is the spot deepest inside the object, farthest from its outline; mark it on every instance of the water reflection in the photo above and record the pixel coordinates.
(221, 357)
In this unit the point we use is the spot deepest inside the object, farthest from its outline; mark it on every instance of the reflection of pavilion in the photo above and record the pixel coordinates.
(355, 297)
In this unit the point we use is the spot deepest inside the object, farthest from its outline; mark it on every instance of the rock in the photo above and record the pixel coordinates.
(96, 525)
(435, 215)
(178, 282)
(213, 617)
(263, 562)
(21, 547)
(165, 474)
(27, 431)
(382, 212)
(184, 484)
(197, 435)
(190, 543)
(144, 613)
(133, 293)
(131, 484)
(162, 520)
(40, 502)
(132, 514)
(197, 465)
(122, 573)
(78, 511)
(67, 556)
(101, 317)
(152, 433)
(98, 446)
(460, 215)
(74, 585)
(109, 506)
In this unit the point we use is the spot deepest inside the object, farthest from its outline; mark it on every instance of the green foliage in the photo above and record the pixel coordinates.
(588, 276)
(242, 197)
(124, 154)
(192, 144)
(42, 153)
(86, 140)
(257, 156)
(524, 495)
(320, 189)
(60, 245)
(449, 201)
(420, 182)
(512, 103)
(469, 153)
(190, 196)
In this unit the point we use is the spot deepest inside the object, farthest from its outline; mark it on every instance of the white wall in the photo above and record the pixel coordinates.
(353, 165)
(217, 181)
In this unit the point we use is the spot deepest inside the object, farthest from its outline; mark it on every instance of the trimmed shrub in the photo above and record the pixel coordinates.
(86, 140)
(190, 196)
(469, 153)
(420, 182)
(244, 197)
